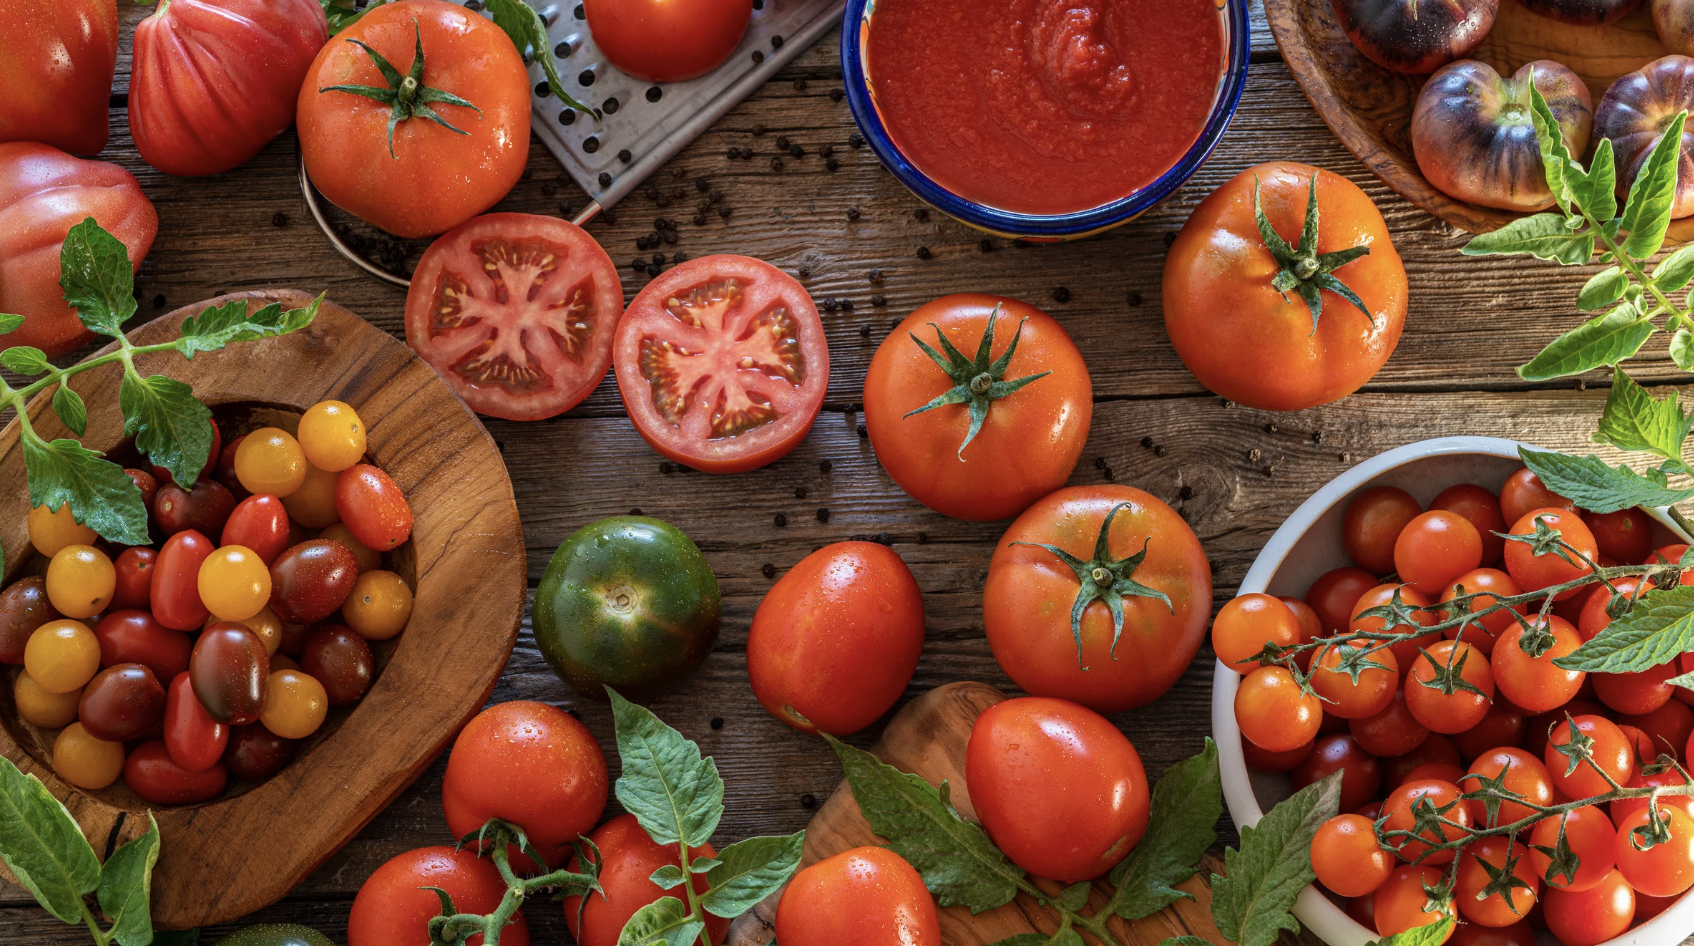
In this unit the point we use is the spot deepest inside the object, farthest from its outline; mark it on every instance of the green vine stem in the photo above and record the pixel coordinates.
(452, 928)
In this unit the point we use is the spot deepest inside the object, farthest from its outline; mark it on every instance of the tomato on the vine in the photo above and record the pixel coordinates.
(394, 906)
(1667, 868)
(1355, 685)
(628, 858)
(868, 895)
(1398, 814)
(1553, 566)
(1407, 652)
(1346, 857)
(1274, 712)
(1502, 908)
(1519, 772)
(667, 40)
(58, 60)
(1483, 633)
(1246, 623)
(1591, 837)
(1610, 750)
(1534, 683)
(1450, 687)
(1401, 903)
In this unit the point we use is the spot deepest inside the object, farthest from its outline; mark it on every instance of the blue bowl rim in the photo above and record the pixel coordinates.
(1035, 225)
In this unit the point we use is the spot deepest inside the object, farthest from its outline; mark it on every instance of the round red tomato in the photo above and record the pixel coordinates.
(1032, 592)
(1334, 596)
(215, 80)
(533, 765)
(259, 523)
(1625, 536)
(393, 908)
(516, 312)
(1554, 566)
(867, 896)
(628, 858)
(1482, 509)
(1435, 548)
(667, 40)
(1030, 437)
(722, 363)
(44, 192)
(417, 178)
(58, 60)
(1057, 787)
(1592, 916)
(1372, 524)
(1523, 493)
(1401, 904)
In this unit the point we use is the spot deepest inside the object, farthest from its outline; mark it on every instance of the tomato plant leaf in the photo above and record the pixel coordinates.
(1189, 940)
(10, 323)
(1075, 897)
(1063, 936)
(529, 34)
(1602, 289)
(126, 887)
(217, 326)
(1187, 803)
(1682, 349)
(667, 877)
(1251, 904)
(1596, 190)
(168, 423)
(42, 846)
(72, 412)
(1593, 485)
(1657, 628)
(666, 785)
(958, 862)
(1646, 212)
(664, 921)
(749, 871)
(1432, 935)
(25, 360)
(1605, 339)
(101, 495)
(1635, 420)
(1556, 159)
(344, 13)
(1675, 270)
(1543, 236)
(95, 273)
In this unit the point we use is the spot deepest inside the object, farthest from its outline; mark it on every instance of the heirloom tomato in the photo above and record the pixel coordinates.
(134, 636)
(259, 523)
(122, 702)
(1392, 34)
(341, 660)
(62, 655)
(394, 906)
(1674, 22)
(23, 608)
(152, 773)
(229, 668)
(206, 508)
(86, 761)
(628, 858)
(42, 709)
(1633, 115)
(193, 738)
(310, 581)
(373, 507)
(58, 60)
(667, 40)
(867, 896)
(255, 753)
(135, 581)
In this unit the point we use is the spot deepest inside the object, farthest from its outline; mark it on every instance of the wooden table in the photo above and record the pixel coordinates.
(1234, 472)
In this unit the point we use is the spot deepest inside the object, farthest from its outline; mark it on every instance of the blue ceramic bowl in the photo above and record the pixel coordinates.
(854, 35)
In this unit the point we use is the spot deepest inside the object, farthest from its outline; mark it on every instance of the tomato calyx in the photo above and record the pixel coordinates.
(1579, 748)
(1564, 864)
(1104, 578)
(452, 928)
(1543, 541)
(1303, 271)
(407, 96)
(980, 382)
(1447, 678)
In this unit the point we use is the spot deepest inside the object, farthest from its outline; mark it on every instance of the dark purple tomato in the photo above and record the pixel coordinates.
(146, 482)
(340, 660)
(132, 636)
(229, 668)
(122, 702)
(226, 469)
(255, 753)
(164, 476)
(261, 524)
(23, 608)
(194, 739)
(151, 773)
(1407, 36)
(1634, 113)
(310, 580)
(373, 507)
(135, 577)
(175, 592)
(204, 509)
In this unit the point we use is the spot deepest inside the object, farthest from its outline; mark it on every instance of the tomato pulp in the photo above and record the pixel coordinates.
(1044, 106)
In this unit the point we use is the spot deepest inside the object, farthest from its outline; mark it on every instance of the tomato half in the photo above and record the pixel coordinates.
(722, 363)
(1030, 437)
(864, 896)
(58, 60)
(516, 312)
(667, 40)
(393, 908)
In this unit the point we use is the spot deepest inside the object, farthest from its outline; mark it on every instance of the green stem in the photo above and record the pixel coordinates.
(126, 353)
(1093, 924)
(101, 938)
(694, 908)
(1634, 268)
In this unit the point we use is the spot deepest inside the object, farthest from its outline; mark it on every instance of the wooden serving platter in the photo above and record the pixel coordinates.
(1370, 108)
(239, 853)
(927, 737)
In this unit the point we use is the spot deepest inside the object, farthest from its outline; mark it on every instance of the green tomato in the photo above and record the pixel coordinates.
(275, 934)
(630, 603)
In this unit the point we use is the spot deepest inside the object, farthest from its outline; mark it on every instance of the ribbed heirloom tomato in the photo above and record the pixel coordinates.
(58, 60)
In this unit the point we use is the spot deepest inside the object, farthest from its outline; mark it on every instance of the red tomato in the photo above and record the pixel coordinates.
(1625, 536)
(533, 765)
(45, 192)
(205, 508)
(1482, 509)
(1274, 712)
(1340, 752)
(667, 40)
(1057, 787)
(1435, 548)
(1521, 933)
(133, 636)
(1534, 572)
(1667, 728)
(1346, 857)
(1334, 595)
(1407, 652)
(1534, 683)
(1624, 807)
(176, 581)
(135, 577)
(151, 773)
(193, 738)
(1450, 687)
(1372, 525)
(1524, 493)
(1666, 869)
(1440, 771)
(1311, 626)
(1483, 633)
(1497, 909)
(1592, 916)
(1397, 811)
(58, 60)
(1392, 732)
(1612, 752)
(393, 908)
(372, 506)
(722, 363)
(1524, 774)
(417, 178)
(259, 523)
(868, 896)
(215, 80)
(1537, 727)
(1435, 748)
(629, 858)
(1502, 728)
(1639, 693)
(1400, 903)
(1032, 436)
(1246, 623)
(1594, 618)
(1031, 593)
(1591, 838)
(1355, 698)
(1263, 760)
(516, 312)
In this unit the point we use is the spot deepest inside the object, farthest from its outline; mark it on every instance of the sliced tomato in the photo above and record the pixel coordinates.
(722, 363)
(517, 312)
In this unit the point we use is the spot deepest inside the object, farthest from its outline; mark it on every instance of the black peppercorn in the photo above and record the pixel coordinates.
(855, 141)
(654, 93)
(769, 570)
(717, 721)
(610, 106)
(781, 520)
(625, 156)
(823, 514)
(591, 145)
(824, 466)
(1061, 294)
(796, 151)
(776, 164)
(879, 301)
(853, 213)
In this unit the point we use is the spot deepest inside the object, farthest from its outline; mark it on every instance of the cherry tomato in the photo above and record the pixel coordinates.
(310, 581)
(1407, 652)
(312, 506)
(62, 655)
(1340, 752)
(1640, 744)
(229, 669)
(53, 529)
(270, 460)
(225, 469)
(1311, 627)
(1450, 688)
(1482, 509)
(206, 508)
(234, 583)
(1350, 698)
(394, 906)
(628, 858)
(85, 761)
(659, 41)
(1648, 907)
(379, 605)
(1400, 903)
(1260, 760)
(1636, 693)
(122, 703)
(1594, 617)
(1521, 933)
(1273, 713)
(176, 581)
(1503, 727)
(1534, 572)
(1667, 728)
(1486, 630)
(1625, 536)
(373, 507)
(1538, 727)
(1397, 810)
(135, 578)
(152, 773)
(295, 704)
(363, 556)
(1393, 731)
(1372, 525)
(1524, 775)
(1665, 869)
(132, 636)
(193, 738)
(23, 608)
(332, 435)
(1439, 771)
(856, 898)
(1534, 683)
(259, 523)
(1362, 910)
(1246, 623)
(1622, 808)
(59, 58)
(1334, 596)
(42, 709)
(1612, 752)
(80, 581)
(1346, 857)
(1524, 493)
(1497, 909)
(1436, 748)
(255, 753)
(341, 661)
(1593, 915)
(1435, 548)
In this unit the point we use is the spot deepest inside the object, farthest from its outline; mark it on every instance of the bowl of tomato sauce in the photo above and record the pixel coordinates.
(1044, 119)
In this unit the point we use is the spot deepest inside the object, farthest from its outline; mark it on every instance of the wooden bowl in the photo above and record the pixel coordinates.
(236, 854)
(1370, 108)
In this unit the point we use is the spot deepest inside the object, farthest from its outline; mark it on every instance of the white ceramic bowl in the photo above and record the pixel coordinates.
(1309, 544)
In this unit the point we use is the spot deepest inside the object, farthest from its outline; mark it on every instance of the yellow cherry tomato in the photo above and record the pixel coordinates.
(379, 605)
(295, 704)
(366, 557)
(312, 506)
(269, 460)
(61, 656)
(234, 583)
(265, 625)
(332, 435)
(43, 709)
(85, 761)
(51, 530)
(80, 581)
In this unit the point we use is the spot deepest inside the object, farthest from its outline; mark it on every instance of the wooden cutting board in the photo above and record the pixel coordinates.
(928, 738)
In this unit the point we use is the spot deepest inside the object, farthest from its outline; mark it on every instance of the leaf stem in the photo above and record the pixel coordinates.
(1093, 924)
(694, 908)
(101, 937)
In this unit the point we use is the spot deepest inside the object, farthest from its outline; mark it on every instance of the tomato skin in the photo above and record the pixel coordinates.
(1612, 751)
(310, 581)
(1534, 683)
(836, 640)
(435, 179)
(1665, 869)
(868, 896)
(1272, 711)
(1334, 595)
(1032, 438)
(1397, 809)
(151, 773)
(1594, 618)
(122, 702)
(1591, 916)
(1398, 904)
(1341, 752)
(341, 660)
(392, 909)
(1407, 652)
(1625, 536)
(1502, 728)
(134, 636)
(1347, 699)
(1246, 623)
(1346, 857)
(255, 753)
(1057, 787)
(135, 577)
(1534, 572)
(1524, 493)
(1639, 693)
(1482, 509)
(630, 857)
(662, 41)
(23, 608)
(373, 507)
(1455, 712)
(1667, 728)
(229, 668)
(1372, 524)
(259, 523)
(1392, 732)
(1435, 548)
(193, 738)
(58, 58)
(175, 591)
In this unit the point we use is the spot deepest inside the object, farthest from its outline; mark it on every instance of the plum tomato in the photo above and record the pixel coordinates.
(1334, 595)
(379, 605)
(331, 435)
(628, 858)
(1401, 903)
(229, 669)
(175, 592)
(978, 440)
(1519, 771)
(836, 640)
(52, 529)
(1372, 523)
(372, 505)
(533, 765)
(1497, 584)
(85, 761)
(1503, 727)
(1582, 12)
(1057, 787)
(1435, 548)
(1667, 868)
(1639, 693)
(134, 636)
(667, 40)
(1392, 34)
(1274, 712)
(312, 506)
(364, 557)
(62, 655)
(310, 581)
(193, 738)
(80, 581)
(1356, 682)
(1611, 751)
(23, 608)
(234, 583)
(255, 753)
(42, 709)
(135, 579)
(1398, 816)
(295, 704)
(1450, 687)
(1625, 536)
(341, 660)
(152, 773)
(1246, 623)
(859, 897)
(1339, 752)
(259, 523)
(1346, 857)
(1393, 731)
(59, 58)
(1534, 683)
(206, 508)
(1482, 509)
(270, 460)
(1523, 493)
(1554, 565)
(630, 603)
(122, 702)
(1502, 908)
(1592, 915)
(1051, 626)
(394, 906)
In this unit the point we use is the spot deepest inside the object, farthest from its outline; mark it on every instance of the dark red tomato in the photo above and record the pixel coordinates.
(1397, 810)
(135, 578)
(163, 476)
(1671, 554)
(259, 523)
(1625, 536)
(147, 483)
(533, 765)
(1263, 760)
(205, 508)
(1612, 752)
(1592, 916)
(23, 608)
(255, 753)
(58, 60)
(122, 702)
(134, 636)
(1524, 493)
(340, 660)
(193, 738)
(372, 507)
(225, 473)
(1341, 753)
(836, 640)
(1535, 683)
(722, 363)
(1392, 732)
(194, 58)
(667, 40)
(856, 898)
(1534, 572)
(1031, 438)
(1057, 787)
(175, 592)
(1667, 727)
(1436, 748)
(151, 773)
(1503, 727)
(394, 908)
(628, 858)
(1372, 524)
(310, 580)
(1636, 694)
(1335, 593)
(517, 313)
(1311, 626)
(1482, 509)
(229, 668)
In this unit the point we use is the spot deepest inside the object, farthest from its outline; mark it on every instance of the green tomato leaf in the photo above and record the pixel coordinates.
(1185, 941)
(1432, 935)
(749, 871)
(1543, 236)
(1658, 628)
(1187, 803)
(344, 13)
(1634, 420)
(1593, 485)
(168, 423)
(1602, 289)
(958, 862)
(97, 278)
(25, 360)
(1597, 190)
(101, 495)
(529, 34)
(126, 887)
(1556, 160)
(664, 922)
(1603, 340)
(10, 323)
(1251, 905)
(42, 845)
(1646, 214)
(1682, 349)
(667, 877)
(1063, 936)
(68, 405)
(1075, 897)
(666, 785)
(218, 326)
(1675, 270)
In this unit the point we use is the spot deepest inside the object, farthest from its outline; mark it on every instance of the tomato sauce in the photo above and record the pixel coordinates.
(1044, 106)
